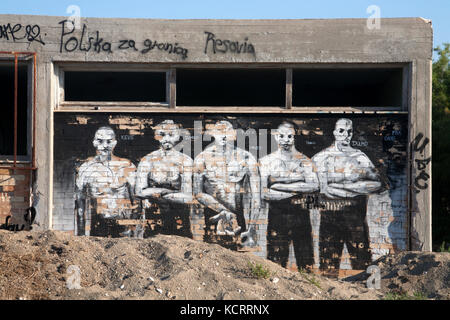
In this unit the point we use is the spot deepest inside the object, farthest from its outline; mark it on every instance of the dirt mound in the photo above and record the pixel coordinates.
(411, 274)
(421, 273)
(37, 265)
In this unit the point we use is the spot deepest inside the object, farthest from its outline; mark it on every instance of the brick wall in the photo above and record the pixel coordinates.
(14, 194)
(382, 139)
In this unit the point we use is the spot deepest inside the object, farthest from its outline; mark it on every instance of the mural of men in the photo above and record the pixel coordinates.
(164, 177)
(286, 175)
(104, 188)
(346, 177)
(223, 175)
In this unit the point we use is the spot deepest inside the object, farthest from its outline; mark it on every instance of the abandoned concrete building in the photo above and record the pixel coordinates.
(307, 142)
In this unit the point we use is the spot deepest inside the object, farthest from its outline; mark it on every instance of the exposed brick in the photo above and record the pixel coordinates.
(7, 181)
(8, 188)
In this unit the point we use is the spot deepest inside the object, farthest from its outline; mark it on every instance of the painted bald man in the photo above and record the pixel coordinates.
(287, 177)
(222, 175)
(104, 188)
(164, 178)
(347, 177)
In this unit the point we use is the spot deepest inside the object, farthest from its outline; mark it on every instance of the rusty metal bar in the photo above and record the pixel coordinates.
(288, 104)
(172, 88)
(16, 76)
(18, 168)
(17, 52)
(33, 151)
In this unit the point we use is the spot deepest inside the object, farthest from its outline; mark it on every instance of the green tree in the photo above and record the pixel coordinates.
(441, 147)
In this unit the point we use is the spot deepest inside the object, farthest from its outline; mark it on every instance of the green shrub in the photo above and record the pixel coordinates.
(443, 249)
(405, 296)
(311, 279)
(259, 271)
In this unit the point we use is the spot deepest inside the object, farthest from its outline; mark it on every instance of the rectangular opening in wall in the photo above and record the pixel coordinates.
(7, 108)
(231, 87)
(352, 87)
(115, 86)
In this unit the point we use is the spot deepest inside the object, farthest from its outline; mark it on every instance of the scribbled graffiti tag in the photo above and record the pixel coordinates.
(17, 32)
(28, 218)
(225, 46)
(418, 146)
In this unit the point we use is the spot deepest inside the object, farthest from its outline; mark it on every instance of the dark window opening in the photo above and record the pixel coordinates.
(7, 108)
(368, 87)
(115, 86)
(231, 87)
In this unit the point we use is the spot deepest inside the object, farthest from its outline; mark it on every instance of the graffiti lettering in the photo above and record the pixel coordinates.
(83, 42)
(11, 227)
(17, 32)
(423, 176)
(416, 142)
(313, 202)
(128, 44)
(422, 164)
(73, 43)
(168, 47)
(360, 143)
(126, 137)
(28, 218)
(224, 46)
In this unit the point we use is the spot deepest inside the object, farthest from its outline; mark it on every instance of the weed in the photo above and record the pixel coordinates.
(405, 296)
(315, 282)
(259, 271)
(311, 279)
(302, 271)
(442, 247)
(420, 296)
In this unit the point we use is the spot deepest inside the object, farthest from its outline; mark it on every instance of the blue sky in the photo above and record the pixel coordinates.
(436, 10)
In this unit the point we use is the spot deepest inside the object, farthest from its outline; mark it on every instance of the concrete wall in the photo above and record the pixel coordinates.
(170, 44)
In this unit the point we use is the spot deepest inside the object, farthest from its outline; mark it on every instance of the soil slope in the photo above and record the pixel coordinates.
(37, 265)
